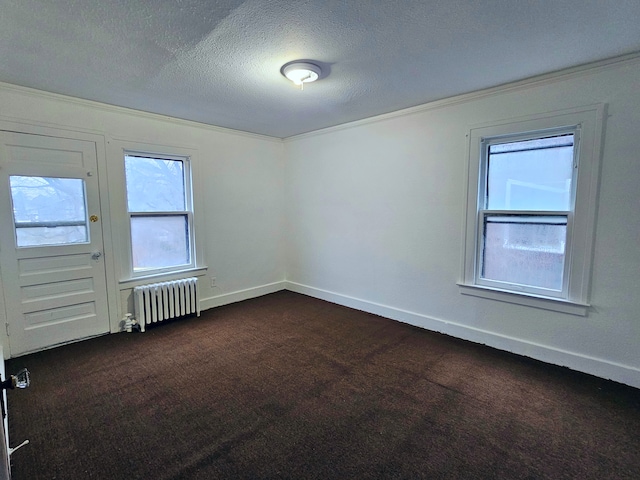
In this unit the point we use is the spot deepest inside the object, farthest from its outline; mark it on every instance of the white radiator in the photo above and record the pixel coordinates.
(161, 301)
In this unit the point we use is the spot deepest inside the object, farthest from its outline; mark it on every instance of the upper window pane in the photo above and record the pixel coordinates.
(154, 184)
(48, 211)
(530, 175)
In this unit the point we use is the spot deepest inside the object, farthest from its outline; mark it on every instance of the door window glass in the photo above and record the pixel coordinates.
(48, 211)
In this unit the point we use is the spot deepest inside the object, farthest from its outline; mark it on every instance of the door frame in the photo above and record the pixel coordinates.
(18, 126)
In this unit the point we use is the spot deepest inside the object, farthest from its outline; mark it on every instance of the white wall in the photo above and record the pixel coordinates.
(241, 189)
(375, 221)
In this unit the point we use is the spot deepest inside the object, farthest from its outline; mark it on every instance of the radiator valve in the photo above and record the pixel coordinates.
(129, 322)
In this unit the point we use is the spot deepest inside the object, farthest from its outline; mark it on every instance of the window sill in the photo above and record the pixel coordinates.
(545, 303)
(163, 277)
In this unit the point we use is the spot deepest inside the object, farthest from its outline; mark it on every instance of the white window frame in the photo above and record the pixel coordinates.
(189, 212)
(587, 125)
(482, 210)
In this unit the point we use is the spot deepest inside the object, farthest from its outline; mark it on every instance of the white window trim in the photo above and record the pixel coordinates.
(119, 147)
(589, 120)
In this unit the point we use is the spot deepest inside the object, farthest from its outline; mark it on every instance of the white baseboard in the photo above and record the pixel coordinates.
(239, 295)
(594, 366)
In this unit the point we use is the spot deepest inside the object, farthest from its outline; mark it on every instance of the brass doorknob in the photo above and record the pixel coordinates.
(93, 218)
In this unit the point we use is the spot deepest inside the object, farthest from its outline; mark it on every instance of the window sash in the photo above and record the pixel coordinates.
(483, 213)
(524, 218)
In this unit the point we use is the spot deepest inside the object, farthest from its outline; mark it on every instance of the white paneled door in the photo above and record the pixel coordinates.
(51, 261)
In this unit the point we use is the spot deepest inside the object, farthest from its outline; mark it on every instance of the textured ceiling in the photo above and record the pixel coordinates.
(218, 61)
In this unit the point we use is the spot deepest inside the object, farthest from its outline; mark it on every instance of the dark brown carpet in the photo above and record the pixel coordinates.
(287, 386)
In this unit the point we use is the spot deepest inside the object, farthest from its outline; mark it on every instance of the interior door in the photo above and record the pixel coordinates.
(51, 261)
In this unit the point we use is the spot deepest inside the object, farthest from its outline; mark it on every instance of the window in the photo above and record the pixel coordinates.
(531, 210)
(525, 212)
(48, 211)
(159, 204)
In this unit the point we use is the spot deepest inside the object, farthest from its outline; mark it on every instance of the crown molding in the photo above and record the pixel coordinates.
(536, 81)
(32, 92)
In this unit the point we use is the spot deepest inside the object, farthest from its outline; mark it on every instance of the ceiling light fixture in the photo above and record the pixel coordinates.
(301, 72)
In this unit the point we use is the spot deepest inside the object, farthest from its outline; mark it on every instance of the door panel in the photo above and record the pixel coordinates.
(50, 251)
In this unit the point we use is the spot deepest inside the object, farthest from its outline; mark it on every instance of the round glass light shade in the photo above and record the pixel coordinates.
(300, 72)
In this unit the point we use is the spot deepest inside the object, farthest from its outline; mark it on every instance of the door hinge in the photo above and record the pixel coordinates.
(6, 325)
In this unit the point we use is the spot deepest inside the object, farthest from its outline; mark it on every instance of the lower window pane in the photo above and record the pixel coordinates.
(59, 235)
(159, 241)
(525, 251)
